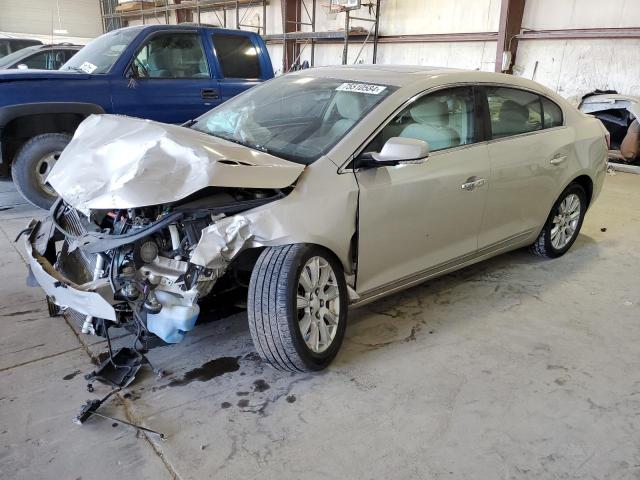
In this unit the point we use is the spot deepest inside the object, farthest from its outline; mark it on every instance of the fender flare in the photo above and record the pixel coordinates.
(9, 113)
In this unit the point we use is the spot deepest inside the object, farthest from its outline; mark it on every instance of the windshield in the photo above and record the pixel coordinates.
(298, 118)
(99, 55)
(8, 60)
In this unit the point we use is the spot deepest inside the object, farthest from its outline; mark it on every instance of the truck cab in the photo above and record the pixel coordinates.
(167, 73)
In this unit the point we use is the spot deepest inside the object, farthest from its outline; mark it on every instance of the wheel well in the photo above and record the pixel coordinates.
(242, 265)
(585, 182)
(21, 129)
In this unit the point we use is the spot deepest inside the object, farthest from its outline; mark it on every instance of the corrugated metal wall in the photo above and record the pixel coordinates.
(571, 67)
(81, 18)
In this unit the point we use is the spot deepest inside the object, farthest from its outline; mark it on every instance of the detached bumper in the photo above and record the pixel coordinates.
(89, 299)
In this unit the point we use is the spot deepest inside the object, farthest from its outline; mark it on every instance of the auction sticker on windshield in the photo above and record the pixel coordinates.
(88, 67)
(361, 88)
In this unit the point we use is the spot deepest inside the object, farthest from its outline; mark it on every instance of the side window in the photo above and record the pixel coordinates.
(237, 55)
(513, 111)
(552, 113)
(444, 119)
(172, 55)
(68, 54)
(39, 60)
(57, 59)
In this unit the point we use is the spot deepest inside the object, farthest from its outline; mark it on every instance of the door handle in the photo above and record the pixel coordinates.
(472, 183)
(558, 159)
(210, 94)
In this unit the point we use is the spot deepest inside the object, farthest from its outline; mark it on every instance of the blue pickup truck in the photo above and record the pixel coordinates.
(167, 73)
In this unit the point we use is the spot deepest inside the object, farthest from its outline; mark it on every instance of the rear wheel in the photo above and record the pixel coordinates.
(564, 223)
(297, 307)
(32, 164)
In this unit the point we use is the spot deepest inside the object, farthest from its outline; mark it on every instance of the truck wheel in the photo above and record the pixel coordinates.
(297, 307)
(32, 164)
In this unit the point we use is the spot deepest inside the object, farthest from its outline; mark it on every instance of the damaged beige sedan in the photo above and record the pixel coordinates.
(316, 191)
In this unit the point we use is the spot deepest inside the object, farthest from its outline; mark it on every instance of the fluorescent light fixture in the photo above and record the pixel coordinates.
(60, 32)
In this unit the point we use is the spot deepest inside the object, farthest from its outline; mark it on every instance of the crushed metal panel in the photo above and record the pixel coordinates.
(307, 215)
(121, 162)
(88, 299)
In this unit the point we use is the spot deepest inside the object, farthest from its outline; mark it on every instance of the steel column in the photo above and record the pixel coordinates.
(511, 13)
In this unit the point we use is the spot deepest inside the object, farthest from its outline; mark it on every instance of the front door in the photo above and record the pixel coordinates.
(417, 217)
(169, 80)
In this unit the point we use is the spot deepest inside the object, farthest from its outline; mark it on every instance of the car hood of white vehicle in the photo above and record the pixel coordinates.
(122, 162)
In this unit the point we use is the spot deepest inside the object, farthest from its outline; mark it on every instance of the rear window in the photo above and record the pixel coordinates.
(552, 113)
(237, 55)
(513, 111)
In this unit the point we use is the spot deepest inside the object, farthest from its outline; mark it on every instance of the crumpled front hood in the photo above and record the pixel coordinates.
(122, 162)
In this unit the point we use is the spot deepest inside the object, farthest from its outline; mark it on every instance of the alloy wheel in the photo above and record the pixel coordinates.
(565, 222)
(318, 304)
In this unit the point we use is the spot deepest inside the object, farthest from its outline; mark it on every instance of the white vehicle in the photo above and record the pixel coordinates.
(319, 190)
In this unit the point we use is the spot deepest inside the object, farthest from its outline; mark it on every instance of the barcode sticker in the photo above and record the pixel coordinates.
(361, 88)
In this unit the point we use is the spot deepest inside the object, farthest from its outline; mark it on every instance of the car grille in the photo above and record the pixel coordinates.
(77, 266)
(70, 221)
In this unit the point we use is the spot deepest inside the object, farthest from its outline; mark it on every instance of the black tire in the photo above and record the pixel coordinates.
(543, 245)
(23, 168)
(272, 312)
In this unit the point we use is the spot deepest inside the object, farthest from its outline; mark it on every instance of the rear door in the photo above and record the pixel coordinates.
(168, 80)
(240, 62)
(417, 218)
(529, 153)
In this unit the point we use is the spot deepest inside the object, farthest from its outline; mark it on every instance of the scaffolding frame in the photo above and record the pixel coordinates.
(302, 39)
(292, 35)
(111, 19)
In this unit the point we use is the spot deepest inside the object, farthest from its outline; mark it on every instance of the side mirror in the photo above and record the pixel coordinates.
(22, 66)
(399, 150)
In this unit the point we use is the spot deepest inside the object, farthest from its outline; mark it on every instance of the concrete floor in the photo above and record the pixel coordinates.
(514, 368)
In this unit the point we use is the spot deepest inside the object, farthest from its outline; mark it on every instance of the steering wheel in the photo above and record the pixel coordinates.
(140, 68)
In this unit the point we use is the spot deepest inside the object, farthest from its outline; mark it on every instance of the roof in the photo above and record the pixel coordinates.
(36, 48)
(184, 26)
(22, 39)
(403, 75)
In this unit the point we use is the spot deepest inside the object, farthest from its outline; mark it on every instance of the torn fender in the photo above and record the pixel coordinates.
(320, 210)
(121, 162)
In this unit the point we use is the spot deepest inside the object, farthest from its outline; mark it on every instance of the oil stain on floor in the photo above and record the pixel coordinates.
(211, 369)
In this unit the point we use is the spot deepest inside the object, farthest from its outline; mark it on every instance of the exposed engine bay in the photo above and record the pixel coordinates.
(143, 254)
(155, 222)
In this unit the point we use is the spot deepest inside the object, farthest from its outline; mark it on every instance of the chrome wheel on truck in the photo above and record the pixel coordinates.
(33, 163)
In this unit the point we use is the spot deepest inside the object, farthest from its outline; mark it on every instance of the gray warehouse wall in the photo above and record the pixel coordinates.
(81, 18)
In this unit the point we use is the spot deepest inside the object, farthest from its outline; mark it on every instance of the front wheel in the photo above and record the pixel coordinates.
(32, 165)
(297, 307)
(563, 224)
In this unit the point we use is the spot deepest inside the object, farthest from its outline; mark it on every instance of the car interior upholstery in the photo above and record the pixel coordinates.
(431, 124)
(513, 119)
